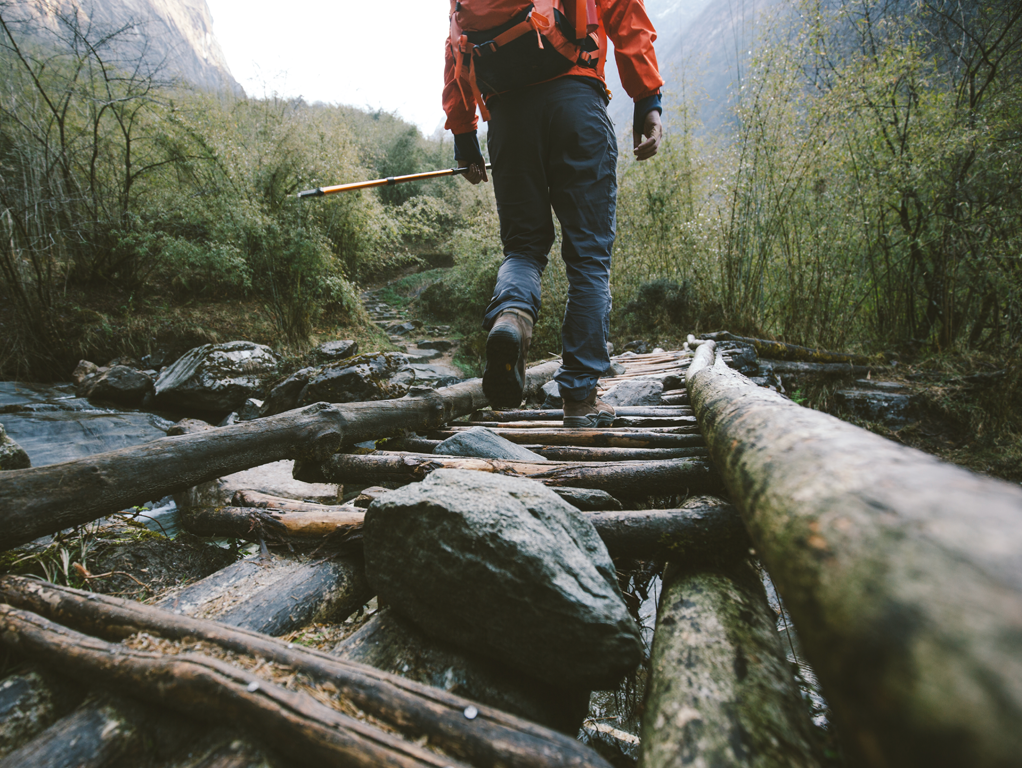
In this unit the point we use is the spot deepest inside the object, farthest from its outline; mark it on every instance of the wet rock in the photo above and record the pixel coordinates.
(12, 455)
(433, 375)
(332, 351)
(639, 347)
(401, 329)
(441, 345)
(503, 567)
(284, 396)
(84, 370)
(251, 409)
(552, 395)
(893, 409)
(391, 643)
(118, 384)
(589, 499)
(614, 369)
(418, 353)
(635, 392)
(217, 378)
(484, 443)
(365, 377)
(673, 381)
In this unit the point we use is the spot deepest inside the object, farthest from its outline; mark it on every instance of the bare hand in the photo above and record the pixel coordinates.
(648, 142)
(476, 170)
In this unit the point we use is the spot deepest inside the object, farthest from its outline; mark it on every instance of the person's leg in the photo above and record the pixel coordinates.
(517, 150)
(583, 192)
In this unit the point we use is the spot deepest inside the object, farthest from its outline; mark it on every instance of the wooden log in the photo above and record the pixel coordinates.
(620, 422)
(42, 500)
(392, 644)
(202, 687)
(253, 524)
(778, 350)
(491, 738)
(720, 688)
(261, 500)
(703, 530)
(557, 414)
(276, 595)
(632, 479)
(597, 438)
(416, 444)
(902, 574)
(100, 734)
(818, 369)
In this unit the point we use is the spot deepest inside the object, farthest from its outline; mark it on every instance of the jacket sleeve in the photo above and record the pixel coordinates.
(630, 30)
(461, 116)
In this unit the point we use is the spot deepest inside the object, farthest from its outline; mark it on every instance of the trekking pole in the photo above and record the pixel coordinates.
(320, 191)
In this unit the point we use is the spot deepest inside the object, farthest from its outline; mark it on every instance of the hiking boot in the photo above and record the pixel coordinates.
(506, 349)
(591, 412)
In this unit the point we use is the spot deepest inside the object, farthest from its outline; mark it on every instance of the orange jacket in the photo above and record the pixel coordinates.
(628, 28)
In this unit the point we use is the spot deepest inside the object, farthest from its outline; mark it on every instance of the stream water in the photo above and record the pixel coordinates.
(53, 425)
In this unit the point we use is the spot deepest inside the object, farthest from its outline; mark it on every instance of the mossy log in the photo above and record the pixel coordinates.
(203, 687)
(627, 478)
(416, 710)
(596, 438)
(721, 690)
(829, 370)
(778, 350)
(42, 500)
(902, 574)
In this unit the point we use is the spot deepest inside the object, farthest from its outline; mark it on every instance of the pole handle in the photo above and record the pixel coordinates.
(321, 191)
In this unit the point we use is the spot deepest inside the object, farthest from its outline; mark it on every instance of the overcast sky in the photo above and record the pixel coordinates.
(373, 55)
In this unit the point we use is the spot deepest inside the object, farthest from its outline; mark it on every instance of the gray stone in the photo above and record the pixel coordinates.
(332, 351)
(284, 395)
(119, 384)
(504, 568)
(84, 370)
(12, 455)
(552, 395)
(365, 377)
(442, 345)
(589, 499)
(634, 392)
(400, 329)
(614, 369)
(432, 374)
(217, 378)
(251, 409)
(419, 353)
(483, 443)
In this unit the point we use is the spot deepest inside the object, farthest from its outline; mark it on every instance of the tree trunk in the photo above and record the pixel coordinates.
(631, 479)
(818, 369)
(253, 524)
(902, 574)
(42, 500)
(491, 738)
(721, 689)
(30, 702)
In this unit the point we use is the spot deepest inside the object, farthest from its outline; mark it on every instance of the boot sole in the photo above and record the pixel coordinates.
(591, 421)
(502, 384)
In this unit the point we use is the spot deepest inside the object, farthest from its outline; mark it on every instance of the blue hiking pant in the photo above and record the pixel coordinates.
(553, 145)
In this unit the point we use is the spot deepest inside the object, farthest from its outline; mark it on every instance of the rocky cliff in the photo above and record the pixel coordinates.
(174, 38)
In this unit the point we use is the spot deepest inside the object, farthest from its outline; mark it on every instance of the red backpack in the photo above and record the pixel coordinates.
(508, 44)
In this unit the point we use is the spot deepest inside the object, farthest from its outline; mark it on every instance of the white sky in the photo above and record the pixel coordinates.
(375, 55)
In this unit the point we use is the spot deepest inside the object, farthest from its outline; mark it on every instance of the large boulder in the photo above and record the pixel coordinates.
(503, 567)
(365, 377)
(483, 443)
(334, 351)
(217, 378)
(12, 455)
(119, 384)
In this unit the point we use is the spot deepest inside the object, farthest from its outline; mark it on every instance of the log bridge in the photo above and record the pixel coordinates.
(901, 574)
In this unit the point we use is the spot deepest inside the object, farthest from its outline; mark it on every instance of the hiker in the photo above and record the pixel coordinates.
(551, 144)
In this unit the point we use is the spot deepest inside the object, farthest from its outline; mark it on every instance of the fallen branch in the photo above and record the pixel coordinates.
(491, 738)
(778, 350)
